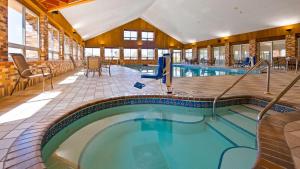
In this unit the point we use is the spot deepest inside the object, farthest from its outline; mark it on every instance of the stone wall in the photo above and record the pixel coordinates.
(9, 75)
(3, 30)
(291, 45)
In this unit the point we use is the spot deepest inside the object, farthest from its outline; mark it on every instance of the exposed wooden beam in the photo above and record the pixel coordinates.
(69, 4)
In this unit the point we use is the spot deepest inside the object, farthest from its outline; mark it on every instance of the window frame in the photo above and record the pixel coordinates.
(131, 57)
(53, 51)
(130, 38)
(162, 51)
(24, 47)
(93, 49)
(147, 57)
(111, 53)
(188, 54)
(147, 38)
(177, 51)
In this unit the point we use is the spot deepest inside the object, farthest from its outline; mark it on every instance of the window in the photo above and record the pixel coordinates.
(147, 36)
(67, 48)
(279, 48)
(271, 49)
(74, 47)
(219, 55)
(53, 43)
(240, 52)
(189, 54)
(130, 54)
(130, 35)
(148, 54)
(23, 30)
(80, 52)
(161, 52)
(92, 52)
(203, 55)
(112, 53)
(176, 56)
(266, 50)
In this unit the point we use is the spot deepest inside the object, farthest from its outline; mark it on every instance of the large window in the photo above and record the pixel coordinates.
(74, 47)
(23, 31)
(92, 52)
(130, 54)
(148, 54)
(161, 52)
(147, 36)
(177, 56)
(219, 55)
(112, 53)
(130, 35)
(53, 43)
(67, 48)
(272, 49)
(203, 56)
(189, 54)
(240, 52)
(279, 48)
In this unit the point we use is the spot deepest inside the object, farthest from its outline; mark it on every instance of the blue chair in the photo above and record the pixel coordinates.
(160, 70)
(246, 62)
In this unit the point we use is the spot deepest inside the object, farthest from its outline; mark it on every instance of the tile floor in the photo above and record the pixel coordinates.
(24, 108)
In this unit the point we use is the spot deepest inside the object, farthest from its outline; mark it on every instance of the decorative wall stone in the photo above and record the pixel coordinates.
(3, 30)
(228, 58)
(254, 49)
(210, 55)
(43, 37)
(291, 45)
(61, 44)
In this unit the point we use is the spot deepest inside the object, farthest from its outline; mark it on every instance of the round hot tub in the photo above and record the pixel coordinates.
(154, 133)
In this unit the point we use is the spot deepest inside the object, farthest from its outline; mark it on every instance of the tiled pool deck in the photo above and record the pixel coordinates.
(25, 108)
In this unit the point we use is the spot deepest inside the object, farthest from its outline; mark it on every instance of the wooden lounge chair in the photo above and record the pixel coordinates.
(27, 73)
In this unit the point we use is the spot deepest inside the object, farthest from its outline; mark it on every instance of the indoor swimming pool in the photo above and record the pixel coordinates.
(180, 70)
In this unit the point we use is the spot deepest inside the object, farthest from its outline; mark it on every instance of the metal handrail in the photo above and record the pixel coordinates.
(276, 99)
(241, 78)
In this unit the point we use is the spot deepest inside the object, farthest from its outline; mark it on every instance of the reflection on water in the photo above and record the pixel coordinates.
(190, 71)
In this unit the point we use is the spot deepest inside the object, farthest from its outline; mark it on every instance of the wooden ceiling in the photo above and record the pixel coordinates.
(55, 5)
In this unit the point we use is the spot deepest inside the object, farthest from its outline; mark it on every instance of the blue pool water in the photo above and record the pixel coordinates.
(155, 137)
(180, 70)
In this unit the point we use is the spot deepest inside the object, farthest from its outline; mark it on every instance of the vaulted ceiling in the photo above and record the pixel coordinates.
(186, 20)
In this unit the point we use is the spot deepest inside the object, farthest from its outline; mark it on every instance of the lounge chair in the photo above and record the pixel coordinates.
(27, 73)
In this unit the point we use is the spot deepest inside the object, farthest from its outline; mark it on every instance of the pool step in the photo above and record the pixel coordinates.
(258, 108)
(233, 134)
(240, 121)
(245, 111)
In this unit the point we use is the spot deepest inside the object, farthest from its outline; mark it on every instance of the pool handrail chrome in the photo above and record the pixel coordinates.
(276, 99)
(241, 78)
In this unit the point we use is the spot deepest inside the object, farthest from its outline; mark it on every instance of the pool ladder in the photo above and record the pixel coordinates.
(240, 79)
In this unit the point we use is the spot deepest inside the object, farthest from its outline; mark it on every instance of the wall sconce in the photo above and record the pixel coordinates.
(289, 30)
(140, 43)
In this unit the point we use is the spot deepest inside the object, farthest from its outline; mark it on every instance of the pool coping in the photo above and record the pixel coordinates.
(26, 151)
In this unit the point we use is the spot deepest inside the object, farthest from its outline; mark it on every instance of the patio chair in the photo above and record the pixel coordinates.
(107, 64)
(25, 72)
(93, 64)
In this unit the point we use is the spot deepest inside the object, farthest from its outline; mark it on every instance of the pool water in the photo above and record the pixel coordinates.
(155, 137)
(192, 70)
